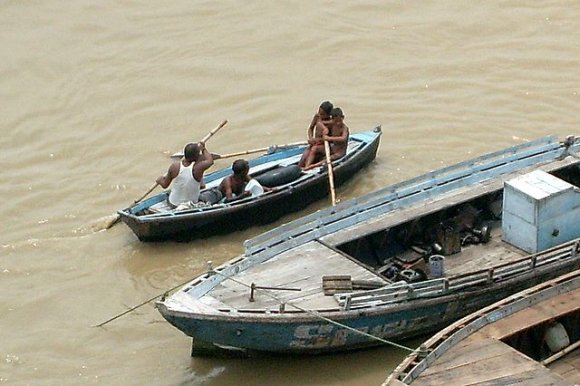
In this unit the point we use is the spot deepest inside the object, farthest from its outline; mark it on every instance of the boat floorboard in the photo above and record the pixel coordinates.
(482, 358)
(302, 267)
(568, 367)
(533, 315)
(481, 256)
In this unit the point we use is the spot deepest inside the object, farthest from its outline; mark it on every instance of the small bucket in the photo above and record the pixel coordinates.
(437, 266)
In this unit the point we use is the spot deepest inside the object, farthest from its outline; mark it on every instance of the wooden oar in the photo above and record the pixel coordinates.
(146, 194)
(117, 217)
(330, 173)
(211, 133)
(269, 149)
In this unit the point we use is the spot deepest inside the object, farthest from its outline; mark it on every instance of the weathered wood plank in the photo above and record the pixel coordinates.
(498, 362)
(568, 367)
(534, 315)
(303, 268)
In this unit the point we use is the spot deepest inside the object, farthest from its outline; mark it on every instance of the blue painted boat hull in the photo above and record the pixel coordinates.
(300, 333)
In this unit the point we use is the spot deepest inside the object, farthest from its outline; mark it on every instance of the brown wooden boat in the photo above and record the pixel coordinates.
(531, 338)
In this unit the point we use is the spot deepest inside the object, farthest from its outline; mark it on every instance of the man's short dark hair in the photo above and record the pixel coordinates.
(326, 106)
(336, 112)
(240, 166)
(191, 151)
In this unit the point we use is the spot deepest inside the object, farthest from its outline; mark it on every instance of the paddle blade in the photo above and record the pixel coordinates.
(100, 224)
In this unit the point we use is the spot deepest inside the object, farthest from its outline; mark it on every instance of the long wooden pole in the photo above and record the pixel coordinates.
(117, 217)
(330, 173)
(211, 133)
(561, 353)
(252, 151)
(262, 149)
(141, 304)
(146, 194)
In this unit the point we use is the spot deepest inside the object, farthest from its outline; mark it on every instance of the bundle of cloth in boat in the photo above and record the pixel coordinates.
(192, 205)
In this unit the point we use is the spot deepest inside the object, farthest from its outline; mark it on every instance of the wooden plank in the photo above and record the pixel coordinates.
(500, 362)
(302, 267)
(542, 312)
(568, 367)
(533, 377)
(474, 348)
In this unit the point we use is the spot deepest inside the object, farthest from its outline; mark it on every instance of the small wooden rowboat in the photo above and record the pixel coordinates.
(530, 338)
(152, 220)
(401, 262)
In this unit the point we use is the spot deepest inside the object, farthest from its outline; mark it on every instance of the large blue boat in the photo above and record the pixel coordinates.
(403, 261)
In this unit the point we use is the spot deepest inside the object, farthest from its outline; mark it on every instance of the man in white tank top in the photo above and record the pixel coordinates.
(187, 174)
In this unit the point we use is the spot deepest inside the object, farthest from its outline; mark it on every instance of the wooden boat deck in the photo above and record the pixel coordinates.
(302, 268)
(483, 358)
(476, 350)
(482, 256)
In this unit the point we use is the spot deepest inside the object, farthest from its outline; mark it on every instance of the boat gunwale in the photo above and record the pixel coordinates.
(418, 361)
(388, 190)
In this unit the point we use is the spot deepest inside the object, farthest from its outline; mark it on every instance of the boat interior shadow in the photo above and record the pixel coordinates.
(402, 252)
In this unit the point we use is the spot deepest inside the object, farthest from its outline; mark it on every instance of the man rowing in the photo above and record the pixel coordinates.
(318, 127)
(337, 135)
(186, 175)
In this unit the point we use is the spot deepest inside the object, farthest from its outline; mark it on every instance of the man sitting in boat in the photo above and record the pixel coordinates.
(240, 185)
(186, 175)
(321, 121)
(337, 135)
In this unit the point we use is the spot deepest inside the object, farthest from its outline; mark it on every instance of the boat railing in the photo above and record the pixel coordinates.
(402, 291)
(404, 194)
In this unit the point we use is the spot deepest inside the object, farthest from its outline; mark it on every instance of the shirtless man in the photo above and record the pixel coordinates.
(186, 174)
(240, 185)
(232, 187)
(337, 136)
(318, 127)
